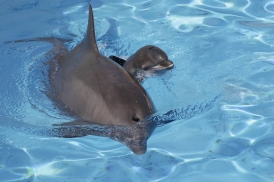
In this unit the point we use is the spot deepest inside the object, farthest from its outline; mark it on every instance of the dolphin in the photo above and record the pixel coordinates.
(100, 91)
(147, 58)
(96, 88)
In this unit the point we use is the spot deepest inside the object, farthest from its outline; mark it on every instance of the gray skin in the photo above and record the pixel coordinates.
(99, 90)
(147, 58)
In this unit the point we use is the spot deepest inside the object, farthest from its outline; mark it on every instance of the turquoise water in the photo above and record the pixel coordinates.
(222, 51)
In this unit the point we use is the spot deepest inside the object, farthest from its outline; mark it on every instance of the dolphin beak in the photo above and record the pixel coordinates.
(138, 149)
(163, 65)
(167, 64)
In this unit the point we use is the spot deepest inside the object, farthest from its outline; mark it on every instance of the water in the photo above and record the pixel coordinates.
(221, 49)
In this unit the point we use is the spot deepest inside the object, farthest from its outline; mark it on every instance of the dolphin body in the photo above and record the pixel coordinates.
(97, 89)
(100, 91)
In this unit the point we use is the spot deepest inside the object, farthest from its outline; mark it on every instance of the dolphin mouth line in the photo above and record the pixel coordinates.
(162, 66)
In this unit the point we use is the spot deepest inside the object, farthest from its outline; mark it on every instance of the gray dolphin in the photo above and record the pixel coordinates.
(96, 88)
(100, 91)
(146, 58)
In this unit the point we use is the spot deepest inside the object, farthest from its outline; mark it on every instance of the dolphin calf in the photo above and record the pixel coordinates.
(146, 58)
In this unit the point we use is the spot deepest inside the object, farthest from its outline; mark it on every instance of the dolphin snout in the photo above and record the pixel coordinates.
(167, 64)
(138, 149)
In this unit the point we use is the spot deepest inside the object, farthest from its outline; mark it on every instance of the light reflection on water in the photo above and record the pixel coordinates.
(219, 48)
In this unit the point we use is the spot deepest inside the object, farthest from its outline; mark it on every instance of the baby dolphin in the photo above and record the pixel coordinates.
(147, 58)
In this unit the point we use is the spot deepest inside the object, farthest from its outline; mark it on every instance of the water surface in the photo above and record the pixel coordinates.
(221, 49)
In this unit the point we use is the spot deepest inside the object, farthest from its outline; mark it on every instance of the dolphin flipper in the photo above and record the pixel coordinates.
(118, 60)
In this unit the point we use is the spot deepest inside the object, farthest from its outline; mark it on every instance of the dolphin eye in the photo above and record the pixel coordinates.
(135, 118)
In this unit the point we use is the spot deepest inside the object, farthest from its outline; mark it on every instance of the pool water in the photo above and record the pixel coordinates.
(224, 66)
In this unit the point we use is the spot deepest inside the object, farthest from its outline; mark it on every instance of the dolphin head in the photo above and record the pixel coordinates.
(148, 58)
(134, 137)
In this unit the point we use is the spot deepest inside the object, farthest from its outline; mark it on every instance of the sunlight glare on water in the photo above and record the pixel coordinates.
(220, 92)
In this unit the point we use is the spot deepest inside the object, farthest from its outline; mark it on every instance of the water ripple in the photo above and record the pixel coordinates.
(229, 147)
(265, 147)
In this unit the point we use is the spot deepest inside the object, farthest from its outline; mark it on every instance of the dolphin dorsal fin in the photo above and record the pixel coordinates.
(90, 34)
